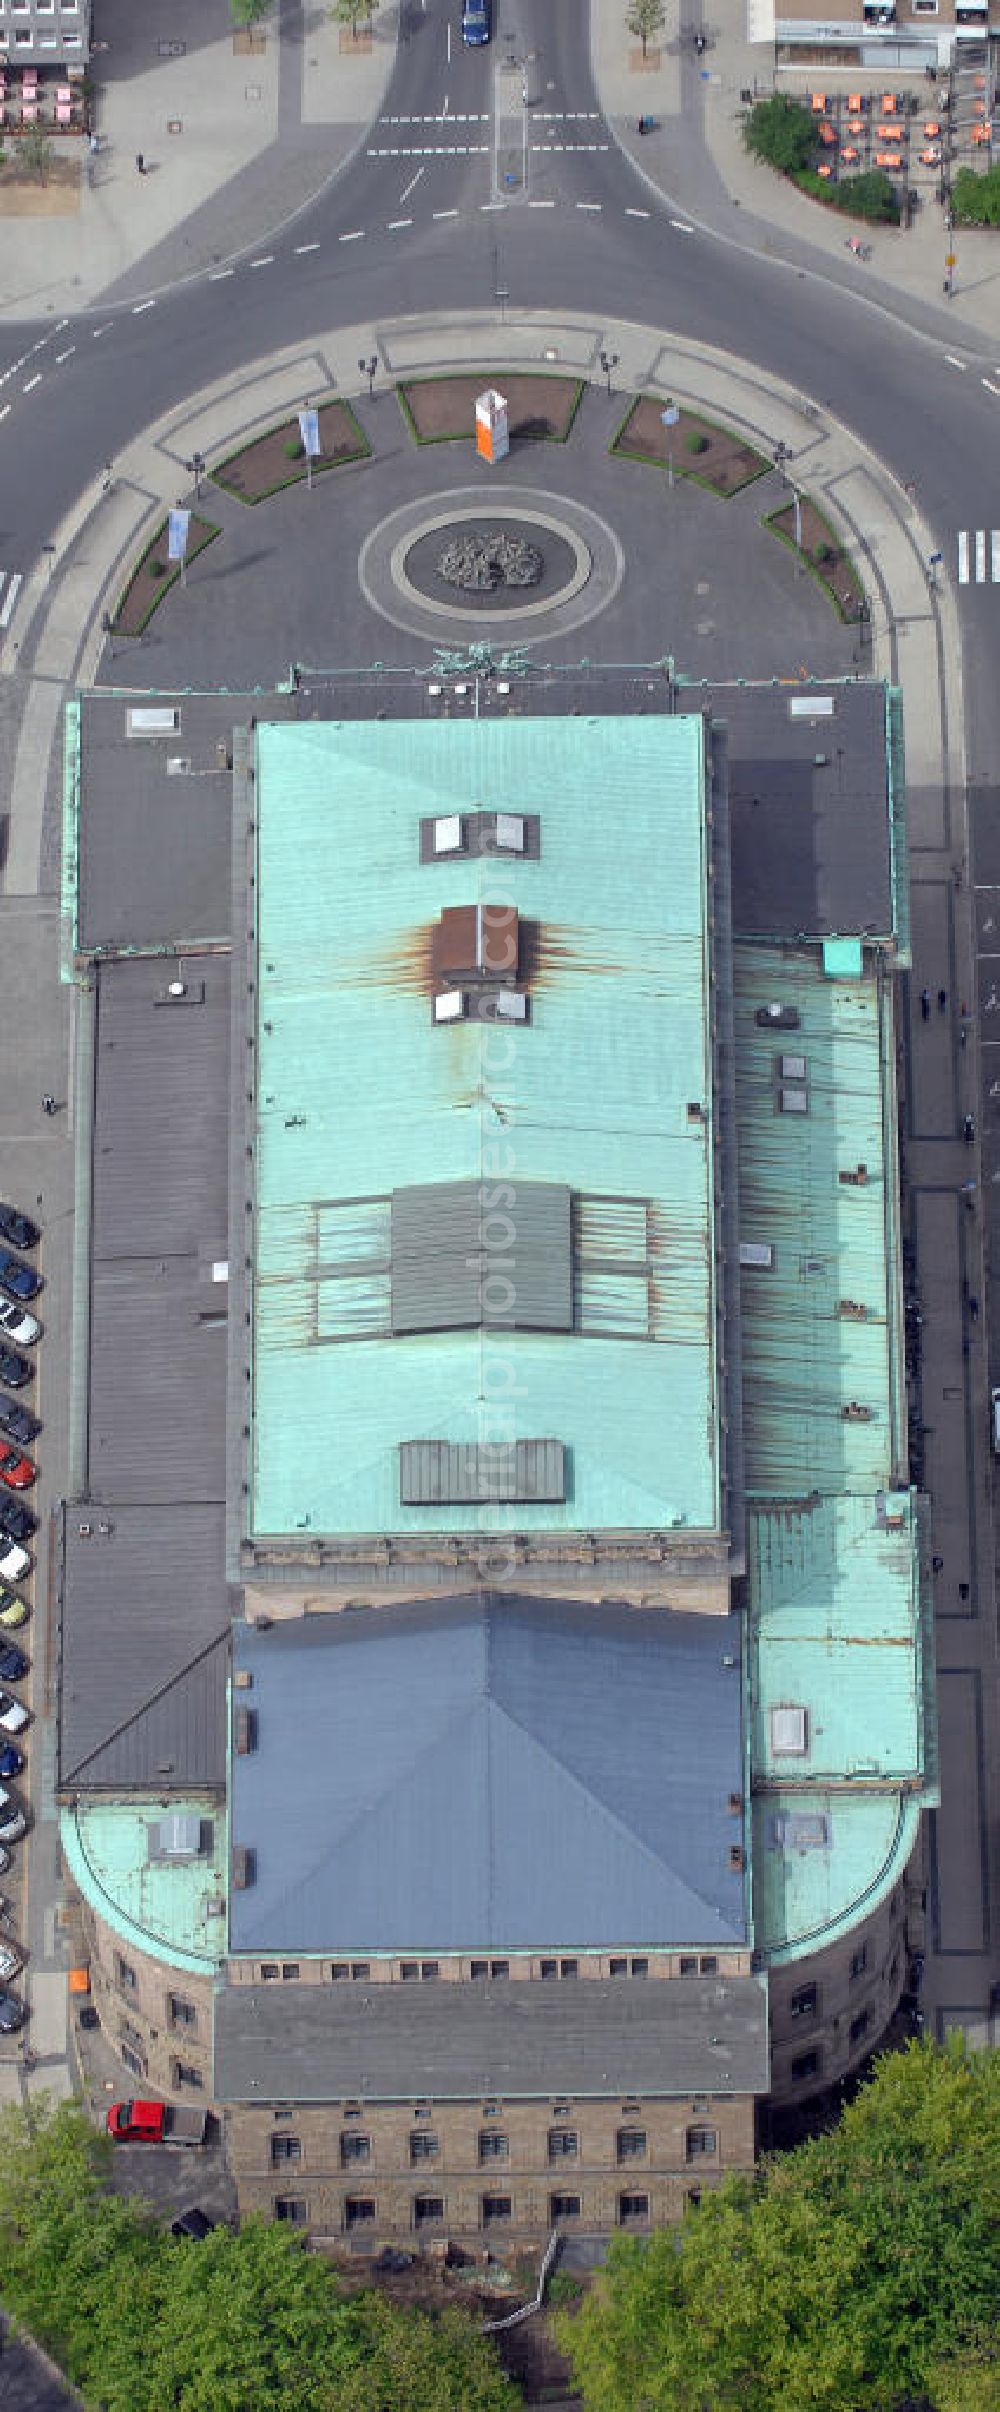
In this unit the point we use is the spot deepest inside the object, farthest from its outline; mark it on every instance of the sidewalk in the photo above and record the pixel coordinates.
(234, 144)
(695, 159)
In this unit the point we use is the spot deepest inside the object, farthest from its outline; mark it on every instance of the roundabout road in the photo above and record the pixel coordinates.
(406, 230)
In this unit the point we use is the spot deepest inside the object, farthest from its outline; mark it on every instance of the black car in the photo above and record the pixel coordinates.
(11, 2013)
(194, 2223)
(16, 1520)
(15, 1370)
(13, 1663)
(17, 1228)
(18, 1422)
(19, 1280)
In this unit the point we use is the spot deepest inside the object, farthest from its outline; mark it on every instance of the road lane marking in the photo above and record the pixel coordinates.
(541, 205)
(139, 307)
(392, 225)
(218, 274)
(637, 213)
(490, 205)
(590, 204)
(32, 382)
(990, 387)
(980, 556)
(356, 237)
(303, 247)
(963, 557)
(106, 329)
(5, 411)
(266, 261)
(10, 598)
(953, 363)
(446, 213)
(995, 555)
(414, 181)
(61, 356)
(681, 226)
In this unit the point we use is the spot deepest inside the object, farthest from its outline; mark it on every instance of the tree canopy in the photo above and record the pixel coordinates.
(975, 199)
(781, 131)
(140, 2319)
(646, 17)
(860, 2273)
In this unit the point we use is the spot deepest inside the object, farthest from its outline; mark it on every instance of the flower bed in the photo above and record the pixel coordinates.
(442, 410)
(277, 459)
(823, 553)
(154, 575)
(713, 456)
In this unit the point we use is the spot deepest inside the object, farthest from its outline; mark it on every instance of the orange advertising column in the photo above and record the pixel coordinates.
(492, 439)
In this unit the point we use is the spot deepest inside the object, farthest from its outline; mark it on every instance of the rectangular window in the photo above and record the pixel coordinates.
(409, 1969)
(806, 2065)
(563, 2206)
(180, 2012)
(184, 2073)
(338, 1970)
(687, 1964)
(479, 1968)
(361, 1971)
(632, 2207)
(805, 2003)
(569, 1968)
(631, 2144)
(495, 2209)
(354, 2147)
(430, 1968)
(291, 2207)
(289, 1971)
(285, 2148)
(548, 1968)
(499, 1968)
(268, 1969)
(134, 2061)
(563, 2144)
(708, 1964)
(859, 1961)
(618, 1967)
(702, 2143)
(423, 2146)
(493, 2144)
(859, 2026)
(640, 1967)
(125, 1975)
(359, 2211)
(428, 2210)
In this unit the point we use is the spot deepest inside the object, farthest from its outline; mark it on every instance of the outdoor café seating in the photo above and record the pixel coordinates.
(850, 155)
(819, 104)
(855, 103)
(930, 158)
(888, 104)
(826, 134)
(931, 129)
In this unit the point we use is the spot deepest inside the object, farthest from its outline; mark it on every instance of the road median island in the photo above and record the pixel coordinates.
(694, 447)
(442, 410)
(822, 552)
(154, 574)
(277, 459)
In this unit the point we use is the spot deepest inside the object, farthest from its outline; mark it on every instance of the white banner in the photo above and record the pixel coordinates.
(309, 432)
(178, 524)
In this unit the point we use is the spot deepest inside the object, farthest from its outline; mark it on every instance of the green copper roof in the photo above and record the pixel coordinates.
(157, 1905)
(822, 1377)
(361, 1095)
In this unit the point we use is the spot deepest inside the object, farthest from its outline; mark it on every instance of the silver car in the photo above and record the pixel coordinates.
(13, 1714)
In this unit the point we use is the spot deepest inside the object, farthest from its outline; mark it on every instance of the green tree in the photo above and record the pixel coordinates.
(851, 2276)
(352, 13)
(34, 151)
(975, 199)
(645, 17)
(249, 12)
(780, 131)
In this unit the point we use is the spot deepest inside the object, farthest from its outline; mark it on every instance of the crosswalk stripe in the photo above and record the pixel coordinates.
(980, 556)
(963, 557)
(995, 555)
(14, 583)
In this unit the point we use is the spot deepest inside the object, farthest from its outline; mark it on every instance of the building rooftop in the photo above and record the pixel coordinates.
(815, 802)
(158, 1886)
(307, 2043)
(145, 1628)
(378, 1131)
(820, 1249)
(452, 1777)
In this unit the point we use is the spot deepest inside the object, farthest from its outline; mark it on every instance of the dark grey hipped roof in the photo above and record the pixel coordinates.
(489, 1774)
(329, 2043)
(143, 1687)
(808, 809)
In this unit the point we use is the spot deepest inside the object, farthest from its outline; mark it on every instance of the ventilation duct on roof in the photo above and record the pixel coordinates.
(181, 1836)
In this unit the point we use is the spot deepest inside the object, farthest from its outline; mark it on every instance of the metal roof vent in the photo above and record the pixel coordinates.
(794, 1101)
(789, 1731)
(244, 1867)
(177, 1838)
(510, 832)
(451, 1006)
(178, 766)
(801, 1831)
(448, 838)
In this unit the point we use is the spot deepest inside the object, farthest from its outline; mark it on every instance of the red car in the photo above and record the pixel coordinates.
(16, 1471)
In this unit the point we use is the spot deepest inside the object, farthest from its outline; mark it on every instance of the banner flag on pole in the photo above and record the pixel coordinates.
(177, 534)
(309, 432)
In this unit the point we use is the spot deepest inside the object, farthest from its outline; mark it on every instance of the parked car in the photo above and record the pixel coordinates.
(16, 1520)
(17, 1228)
(13, 1610)
(13, 1663)
(18, 1325)
(4, 1859)
(20, 1279)
(11, 2013)
(475, 22)
(11, 1763)
(18, 1422)
(13, 1822)
(13, 1714)
(16, 1471)
(14, 1369)
(156, 2123)
(194, 2223)
(15, 1562)
(11, 1962)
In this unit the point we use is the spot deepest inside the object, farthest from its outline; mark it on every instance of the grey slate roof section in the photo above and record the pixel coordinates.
(505, 2038)
(433, 1473)
(143, 1692)
(154, 845)
(461, 1783)
(457, 1262)
(811, 849)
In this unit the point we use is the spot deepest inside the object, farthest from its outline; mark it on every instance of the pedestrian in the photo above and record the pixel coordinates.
(973, 1310)
(93, 143)
(937, 1565)
(48, 1104)
(925, 1003)
(642, 125)
(942, 999)
(969, 1129)
(140, 163)
(108, 477)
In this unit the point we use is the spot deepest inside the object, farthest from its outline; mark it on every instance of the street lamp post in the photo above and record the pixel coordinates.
(107, 631)
(368, 368)
(609, 361)
(196, 469)
(782, 453)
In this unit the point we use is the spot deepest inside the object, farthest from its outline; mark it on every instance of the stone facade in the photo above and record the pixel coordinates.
(157, 2018)
(828, 2012)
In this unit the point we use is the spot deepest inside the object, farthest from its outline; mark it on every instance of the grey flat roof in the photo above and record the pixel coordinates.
(154, 843)
(489, 1774)
(808, 808)
(144, 1592)
(502, 2037)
